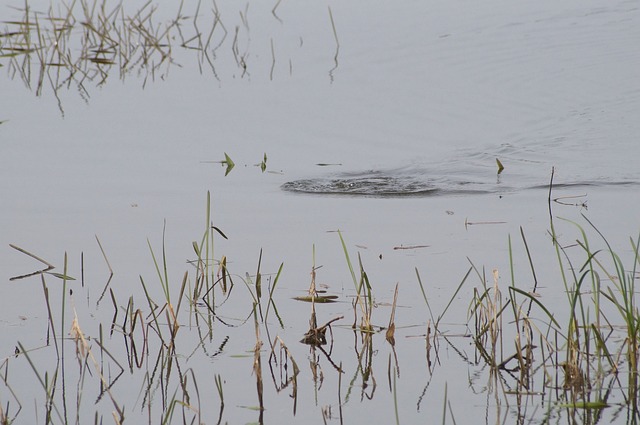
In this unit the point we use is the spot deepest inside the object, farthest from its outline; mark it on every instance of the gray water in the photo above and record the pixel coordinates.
(415, 98)
(470, 173)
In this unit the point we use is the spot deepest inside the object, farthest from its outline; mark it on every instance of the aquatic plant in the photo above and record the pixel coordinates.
(578, 361)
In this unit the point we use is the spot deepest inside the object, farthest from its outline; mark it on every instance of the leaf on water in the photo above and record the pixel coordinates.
(321, 299)
(500, 166)
(229, 162)
(256, 408)
(263, 164)
(585, 405)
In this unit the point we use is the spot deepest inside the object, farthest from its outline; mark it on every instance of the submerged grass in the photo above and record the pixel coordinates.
(539, 362)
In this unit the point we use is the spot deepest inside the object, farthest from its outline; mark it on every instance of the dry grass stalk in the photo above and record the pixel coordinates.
(83, 350)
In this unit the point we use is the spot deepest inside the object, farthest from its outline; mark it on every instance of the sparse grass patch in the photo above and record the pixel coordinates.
(188, 348)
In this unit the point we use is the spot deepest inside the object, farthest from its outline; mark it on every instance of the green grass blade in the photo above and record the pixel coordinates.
(538, 303)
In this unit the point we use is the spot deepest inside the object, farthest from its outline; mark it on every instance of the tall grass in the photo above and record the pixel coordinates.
(585, 345)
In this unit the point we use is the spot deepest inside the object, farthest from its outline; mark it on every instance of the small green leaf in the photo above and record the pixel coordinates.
(229, 162)
(263, 164)
(321, 299)
(500, 166)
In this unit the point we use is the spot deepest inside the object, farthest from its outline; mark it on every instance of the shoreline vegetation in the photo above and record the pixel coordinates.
(540, 366)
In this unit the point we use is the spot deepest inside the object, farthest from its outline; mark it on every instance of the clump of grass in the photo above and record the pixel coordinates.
(580, 361)
(487, 308)
(316, 335)
(586, 355)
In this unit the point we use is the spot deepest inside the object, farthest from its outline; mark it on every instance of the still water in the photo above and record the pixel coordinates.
(372, 100)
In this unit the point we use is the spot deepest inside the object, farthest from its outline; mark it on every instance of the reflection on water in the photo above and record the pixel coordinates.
(200, 349)
(82, 44)
(86, 43)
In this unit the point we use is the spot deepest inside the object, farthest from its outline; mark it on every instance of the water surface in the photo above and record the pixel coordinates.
(416, 98)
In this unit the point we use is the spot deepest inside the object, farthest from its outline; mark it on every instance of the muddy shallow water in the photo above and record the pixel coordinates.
(417, 97)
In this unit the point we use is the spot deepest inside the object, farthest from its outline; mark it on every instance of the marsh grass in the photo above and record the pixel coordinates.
(586, 347)
(539, 362)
